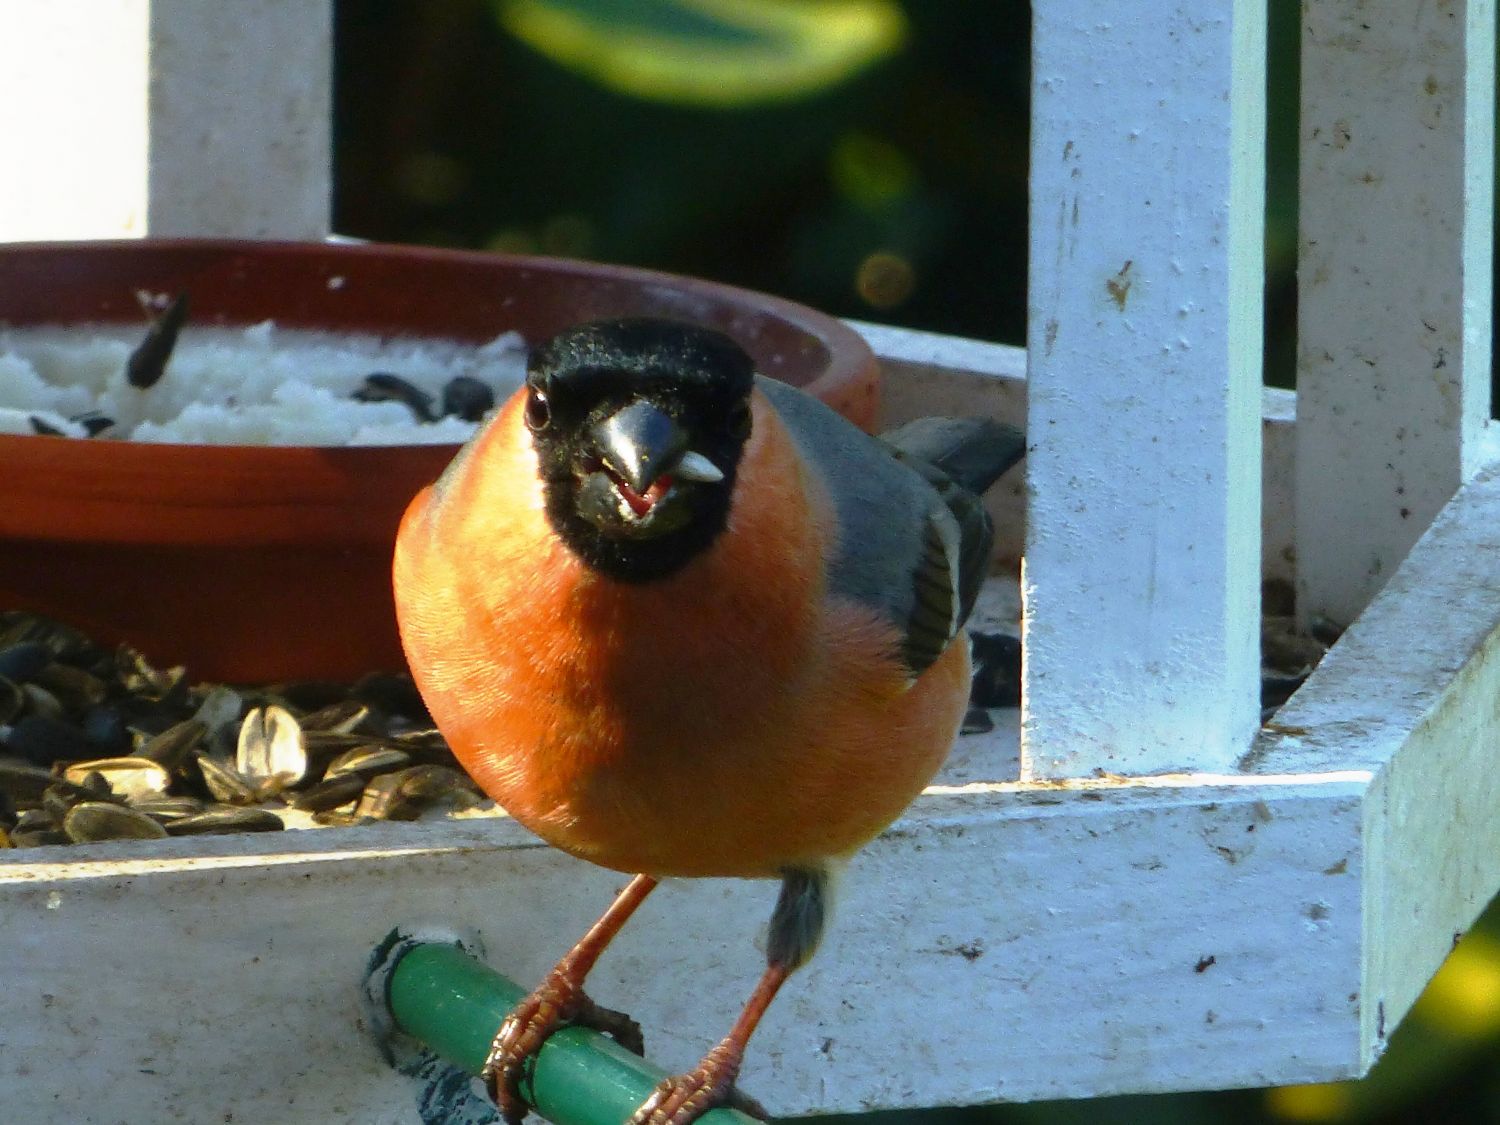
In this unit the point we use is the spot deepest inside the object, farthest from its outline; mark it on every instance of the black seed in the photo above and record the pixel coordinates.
(382, 386)
(42, 741)
(977, 721)
(330, 794)
(64, 643)
(468, 397)
(104, 727)
(222, 819)
(21, 662)
(93, 423)
(391, 693)
(997, 670)
(148, 362)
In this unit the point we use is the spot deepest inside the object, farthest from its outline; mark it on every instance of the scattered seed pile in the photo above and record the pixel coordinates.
(97, 744)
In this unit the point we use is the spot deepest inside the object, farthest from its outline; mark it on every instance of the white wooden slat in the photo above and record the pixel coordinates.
(165, 117)
(1409, 696)
(1144, 341)
(931, 373)
(1397, 170)
(1006, 907)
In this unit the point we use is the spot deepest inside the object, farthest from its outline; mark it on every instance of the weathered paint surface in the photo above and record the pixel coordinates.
(166, 117)
(1397, 186)
(965, 939)
(1144, 343)
(1412, 694)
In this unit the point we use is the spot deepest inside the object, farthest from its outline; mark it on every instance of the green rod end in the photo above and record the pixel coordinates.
(446, 1000)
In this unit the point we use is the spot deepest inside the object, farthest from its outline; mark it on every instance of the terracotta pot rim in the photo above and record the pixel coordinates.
(845, 349)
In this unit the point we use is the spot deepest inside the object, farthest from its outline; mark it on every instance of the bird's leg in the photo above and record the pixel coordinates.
(560, 1000)
(684, 1098)
(796, 926)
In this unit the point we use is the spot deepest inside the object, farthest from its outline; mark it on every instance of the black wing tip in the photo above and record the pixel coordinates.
(973, 452)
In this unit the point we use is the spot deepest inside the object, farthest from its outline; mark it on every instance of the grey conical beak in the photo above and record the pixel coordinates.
(639, 443)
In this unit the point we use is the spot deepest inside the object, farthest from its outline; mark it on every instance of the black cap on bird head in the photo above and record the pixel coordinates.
(638, 426)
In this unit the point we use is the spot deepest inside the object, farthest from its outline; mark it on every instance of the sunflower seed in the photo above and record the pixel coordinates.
(20, 662)
(225, 783)
(367, 761)
(36, 837)
(63, 641)
(12, 701)
(336, 718)
(384, 800)
(382, 386)
(93, 423)
(997, 670)
(41, 702)
(220, 707)
(43, 740)
(73, 687)
(468, 397)
(434, 784)
(94, 821)
(104, 727)
(22, 782)
(148, 362)
(167, 809)
(217, 820)
(141, 679)
(330, 793)
(270, 747)
(172, 746)
(131, 778)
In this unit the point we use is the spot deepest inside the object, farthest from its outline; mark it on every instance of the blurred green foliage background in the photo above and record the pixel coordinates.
(867, 157)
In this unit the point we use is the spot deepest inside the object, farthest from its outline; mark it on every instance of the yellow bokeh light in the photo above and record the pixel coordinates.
(1463, 1000)
(1319, 1101)
(884, 279)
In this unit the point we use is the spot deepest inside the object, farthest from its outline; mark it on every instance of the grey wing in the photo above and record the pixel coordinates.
(913, 543)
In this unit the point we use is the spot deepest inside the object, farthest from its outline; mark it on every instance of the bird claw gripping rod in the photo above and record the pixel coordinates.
(435, 1010)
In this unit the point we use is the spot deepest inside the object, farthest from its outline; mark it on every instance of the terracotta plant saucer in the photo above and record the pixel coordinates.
(256, 563)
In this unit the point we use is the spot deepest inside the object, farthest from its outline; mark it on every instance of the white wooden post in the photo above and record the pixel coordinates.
(1394, 282)
(165, 117)
(1142, 554)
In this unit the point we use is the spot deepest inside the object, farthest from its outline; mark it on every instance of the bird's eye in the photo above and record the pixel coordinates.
(538, 411)
(739, 421)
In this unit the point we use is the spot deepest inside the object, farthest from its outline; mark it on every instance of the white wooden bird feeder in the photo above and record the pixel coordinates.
(1133, 888)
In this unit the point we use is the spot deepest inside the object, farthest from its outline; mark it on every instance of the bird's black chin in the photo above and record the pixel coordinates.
(619, 511)
(601, 526)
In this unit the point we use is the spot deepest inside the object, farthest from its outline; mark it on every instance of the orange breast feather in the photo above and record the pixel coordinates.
(728, 720)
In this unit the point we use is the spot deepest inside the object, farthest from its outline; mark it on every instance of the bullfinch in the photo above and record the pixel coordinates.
(680, 619)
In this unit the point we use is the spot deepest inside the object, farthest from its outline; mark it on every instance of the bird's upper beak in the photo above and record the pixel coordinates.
(639, 443)
(645, 452)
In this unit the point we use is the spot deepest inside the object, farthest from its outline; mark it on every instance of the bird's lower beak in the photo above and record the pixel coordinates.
(641, 454)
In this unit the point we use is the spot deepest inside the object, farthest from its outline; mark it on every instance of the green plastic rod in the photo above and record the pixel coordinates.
(443, 998)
